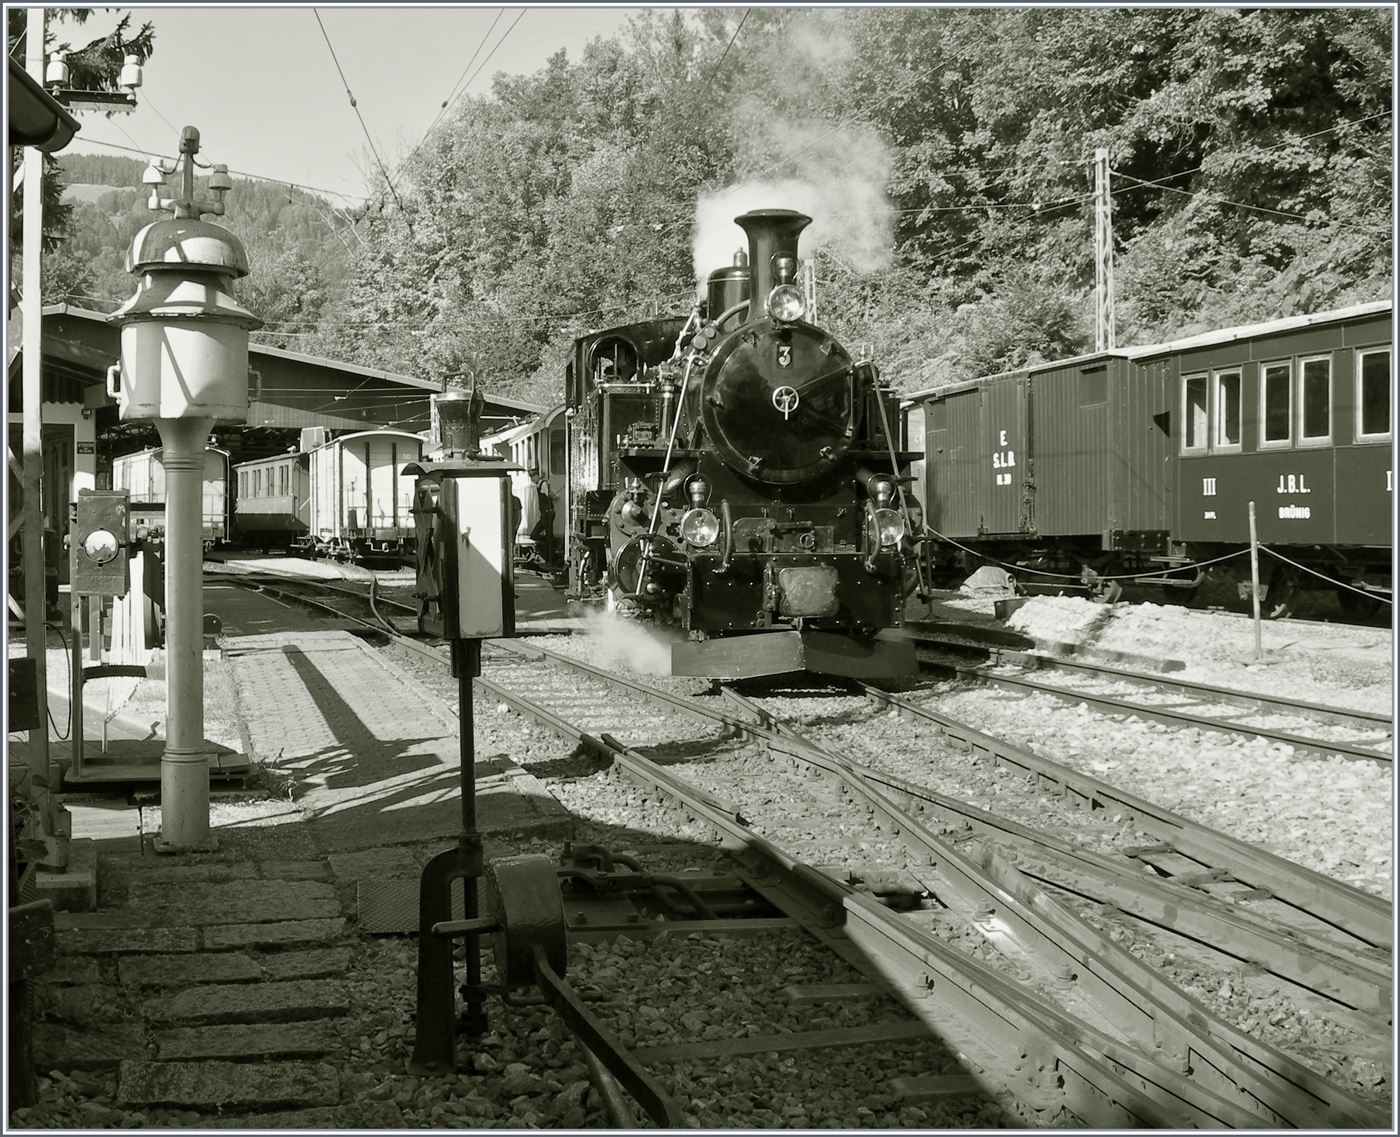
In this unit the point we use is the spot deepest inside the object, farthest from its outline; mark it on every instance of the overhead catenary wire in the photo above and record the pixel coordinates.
(451, 98)
(354, 105)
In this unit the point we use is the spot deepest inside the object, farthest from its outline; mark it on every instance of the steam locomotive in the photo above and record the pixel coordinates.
(735, 475)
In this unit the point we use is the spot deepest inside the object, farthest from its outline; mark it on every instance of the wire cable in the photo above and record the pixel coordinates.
(356, 108)
(1379, 598)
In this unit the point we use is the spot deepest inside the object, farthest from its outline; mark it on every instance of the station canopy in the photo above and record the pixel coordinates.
(287, 390)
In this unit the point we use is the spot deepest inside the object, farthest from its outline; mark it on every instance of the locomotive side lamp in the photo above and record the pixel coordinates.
(184, 364)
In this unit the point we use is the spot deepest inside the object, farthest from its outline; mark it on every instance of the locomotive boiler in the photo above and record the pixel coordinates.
(735, 475)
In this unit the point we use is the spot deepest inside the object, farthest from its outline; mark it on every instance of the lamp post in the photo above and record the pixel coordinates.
(184, 364)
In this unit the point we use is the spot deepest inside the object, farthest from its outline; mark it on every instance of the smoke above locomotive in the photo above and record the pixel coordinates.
(735, 475)
(851, 214)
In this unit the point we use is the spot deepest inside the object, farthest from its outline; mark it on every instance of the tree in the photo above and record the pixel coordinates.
(94, 67)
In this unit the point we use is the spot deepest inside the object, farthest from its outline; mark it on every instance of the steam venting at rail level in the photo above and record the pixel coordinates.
(646, 650)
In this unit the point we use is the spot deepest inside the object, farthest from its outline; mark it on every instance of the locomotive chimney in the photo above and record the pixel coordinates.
(771, 232)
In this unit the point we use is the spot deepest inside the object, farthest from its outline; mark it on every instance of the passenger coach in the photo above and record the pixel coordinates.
(1137, 461)
(539, 449)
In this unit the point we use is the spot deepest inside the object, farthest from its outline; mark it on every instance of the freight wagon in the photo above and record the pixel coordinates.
(143, 475)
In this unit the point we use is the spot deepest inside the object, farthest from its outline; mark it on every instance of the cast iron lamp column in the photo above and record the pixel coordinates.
(184, 365)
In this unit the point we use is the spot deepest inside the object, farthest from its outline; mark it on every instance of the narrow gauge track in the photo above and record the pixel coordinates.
(1060, 966)
(1355, 735)
(1205, 1075)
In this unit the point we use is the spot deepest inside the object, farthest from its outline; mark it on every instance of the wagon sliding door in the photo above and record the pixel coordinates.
(977, 472)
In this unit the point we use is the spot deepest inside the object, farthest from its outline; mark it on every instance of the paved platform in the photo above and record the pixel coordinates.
(371, 756)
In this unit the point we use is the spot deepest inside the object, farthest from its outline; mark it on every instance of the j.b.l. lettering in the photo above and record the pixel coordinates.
(1292, 483)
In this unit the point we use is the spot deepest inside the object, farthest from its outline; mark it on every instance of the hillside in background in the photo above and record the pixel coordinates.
(945, 154)
(291, 237)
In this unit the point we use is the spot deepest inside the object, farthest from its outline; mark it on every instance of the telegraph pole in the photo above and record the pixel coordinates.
(32, 387)
(1103, 254)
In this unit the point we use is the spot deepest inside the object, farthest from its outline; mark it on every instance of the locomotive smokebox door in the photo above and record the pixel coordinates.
(465, 537)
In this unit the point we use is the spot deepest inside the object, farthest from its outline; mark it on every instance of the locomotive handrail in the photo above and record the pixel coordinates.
(726, 558)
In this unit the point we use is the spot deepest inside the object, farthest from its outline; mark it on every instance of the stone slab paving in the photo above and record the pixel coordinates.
(214, 987)
(316, 963)
(183, 970)
(217, 983)
(233, 902)
(227, 1085)
(286, 1001)
(372, 756)
(249, 1040)
(224, 936)
(106, 941)
(92, 1046)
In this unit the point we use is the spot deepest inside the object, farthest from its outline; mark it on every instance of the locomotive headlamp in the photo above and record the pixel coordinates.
(883, 527)
(700, 527)
(881, 489)
(785, 304)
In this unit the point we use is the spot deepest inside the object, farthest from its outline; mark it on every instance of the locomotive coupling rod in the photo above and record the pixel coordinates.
(619, 1062)
(450, 929)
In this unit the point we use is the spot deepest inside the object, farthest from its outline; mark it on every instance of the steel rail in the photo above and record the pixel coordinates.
(1366, 917)
(1223, 1054)
(1162, 714)
(1011, 1036)
(1359, 979)
(1355, 912)
(1319, 712)
(1127, 992)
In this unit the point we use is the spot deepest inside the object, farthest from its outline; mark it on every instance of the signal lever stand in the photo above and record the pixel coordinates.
(530, 937)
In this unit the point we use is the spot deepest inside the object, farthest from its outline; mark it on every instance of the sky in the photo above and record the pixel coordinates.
(263, 88)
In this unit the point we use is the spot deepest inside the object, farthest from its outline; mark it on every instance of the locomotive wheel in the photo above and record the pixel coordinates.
(1108, 592)
(525, 900)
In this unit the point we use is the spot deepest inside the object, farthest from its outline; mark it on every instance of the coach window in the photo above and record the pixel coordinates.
(1194, 412)
(556, 452)
(1276, 399)
(1373, 394)
(282, 480)
(1227, 410)
(1315, 401)
(257, 483)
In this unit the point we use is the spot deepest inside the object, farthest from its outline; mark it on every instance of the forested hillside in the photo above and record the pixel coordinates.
(945, 154)
(291, 237)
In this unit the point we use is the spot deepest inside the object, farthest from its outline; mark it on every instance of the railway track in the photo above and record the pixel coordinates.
(994, 901)
(1010, 945)
(1355, 735)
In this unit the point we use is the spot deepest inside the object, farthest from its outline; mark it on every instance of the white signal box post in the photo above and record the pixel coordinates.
(464, 550)
(464, 535)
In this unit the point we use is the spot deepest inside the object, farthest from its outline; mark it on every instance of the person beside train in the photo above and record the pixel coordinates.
(543, 532)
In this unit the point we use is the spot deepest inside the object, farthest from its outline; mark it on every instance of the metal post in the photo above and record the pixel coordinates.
(75, 696)
(1254, 584)
(1103, 254)
(466, 662)
(35, 600)
(184, 766)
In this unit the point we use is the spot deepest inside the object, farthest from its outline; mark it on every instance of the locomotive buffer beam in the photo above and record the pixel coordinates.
(773, 653)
